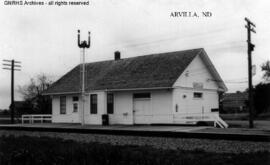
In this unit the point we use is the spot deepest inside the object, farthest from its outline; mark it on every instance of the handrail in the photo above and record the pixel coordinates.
(194, 117)
(36, 117)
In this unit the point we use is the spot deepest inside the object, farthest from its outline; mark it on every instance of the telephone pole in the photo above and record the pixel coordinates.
(250, 28)
(12, 66)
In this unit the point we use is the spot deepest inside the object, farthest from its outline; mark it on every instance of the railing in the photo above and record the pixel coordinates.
(33, 118)
(220, 122)
(193, 118)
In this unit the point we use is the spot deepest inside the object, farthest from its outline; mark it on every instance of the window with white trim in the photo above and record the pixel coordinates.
(110, 103)
(142, 95)
(63, 107)
(197, 95)
(75, 100)
(93, 104)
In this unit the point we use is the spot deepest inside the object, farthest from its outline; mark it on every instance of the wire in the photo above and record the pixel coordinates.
(240, 82)
(177, 38)
(182, 37)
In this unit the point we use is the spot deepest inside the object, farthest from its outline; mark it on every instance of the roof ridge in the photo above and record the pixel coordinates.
(153, 54)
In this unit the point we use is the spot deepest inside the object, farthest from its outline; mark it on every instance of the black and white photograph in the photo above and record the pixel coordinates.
(135, 82)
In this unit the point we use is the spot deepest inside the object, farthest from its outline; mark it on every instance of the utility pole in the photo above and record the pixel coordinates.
(12, 66)
(83, 45)
(250, 28)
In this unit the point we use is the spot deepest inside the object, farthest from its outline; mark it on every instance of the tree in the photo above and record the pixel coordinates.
(32, 94)
(262, 91)
(261, 98)
(266, 69)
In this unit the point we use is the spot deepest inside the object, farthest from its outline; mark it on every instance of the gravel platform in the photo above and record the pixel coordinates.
(208, 145)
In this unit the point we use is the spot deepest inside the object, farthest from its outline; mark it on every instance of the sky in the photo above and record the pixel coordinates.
(44, 38)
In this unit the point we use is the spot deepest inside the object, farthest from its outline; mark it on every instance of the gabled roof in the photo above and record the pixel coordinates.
(234, 99)
(150, 71)
(213, 71)
(238, 96)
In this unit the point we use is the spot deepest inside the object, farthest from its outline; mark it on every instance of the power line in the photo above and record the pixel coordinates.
(176, 37)
(263, 59)
(240, 82)
(170, 39)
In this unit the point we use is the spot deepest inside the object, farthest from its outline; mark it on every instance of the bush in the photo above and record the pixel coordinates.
(261, 98)
(45, 151)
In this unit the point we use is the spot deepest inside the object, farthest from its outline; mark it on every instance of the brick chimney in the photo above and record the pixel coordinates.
(117, 55)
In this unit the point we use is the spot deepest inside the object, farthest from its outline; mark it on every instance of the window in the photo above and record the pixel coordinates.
(197, 95)
(214, 110)
(62, 104)
(110, 103)
(141, 95)
(93, 103)
(75, 107)
(75, 100)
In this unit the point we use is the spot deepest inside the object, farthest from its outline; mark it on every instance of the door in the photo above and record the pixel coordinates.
(198, 107)
(141, 111)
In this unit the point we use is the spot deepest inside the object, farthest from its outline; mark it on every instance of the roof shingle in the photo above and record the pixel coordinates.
(149, 71)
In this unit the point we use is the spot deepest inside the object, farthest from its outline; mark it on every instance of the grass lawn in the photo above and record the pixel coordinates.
(241, 120)
(244, 116)
(45, 151)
